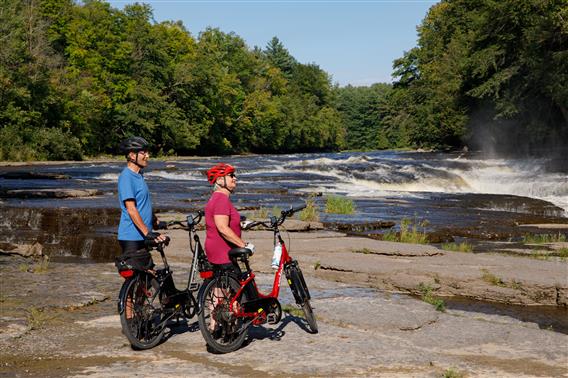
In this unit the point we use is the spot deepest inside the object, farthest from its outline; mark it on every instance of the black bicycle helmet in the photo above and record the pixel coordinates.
(134, 144)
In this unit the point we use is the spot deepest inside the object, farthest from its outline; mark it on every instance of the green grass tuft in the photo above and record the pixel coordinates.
(426, 292)
(310, 213)
(293, 310)
(452, 373)
(260, 213)
(543, 238)
(339, 205)
(563, 253)
(42, 266)
(409, 232)
(492, 279)
(461, 247)
(37, 318)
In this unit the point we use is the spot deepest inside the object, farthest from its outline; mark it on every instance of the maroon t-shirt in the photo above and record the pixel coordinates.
(217, 248)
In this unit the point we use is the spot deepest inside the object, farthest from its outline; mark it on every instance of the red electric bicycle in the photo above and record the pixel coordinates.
(230, 302)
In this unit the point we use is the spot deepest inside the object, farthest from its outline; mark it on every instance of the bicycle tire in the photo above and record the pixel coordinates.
(310, 317)
(142, 316)
(302, 295)
(228, 332)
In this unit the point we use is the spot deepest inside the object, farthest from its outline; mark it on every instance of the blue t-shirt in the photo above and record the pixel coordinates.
(131, 185)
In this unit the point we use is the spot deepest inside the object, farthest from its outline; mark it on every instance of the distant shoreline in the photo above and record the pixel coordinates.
(114, 159)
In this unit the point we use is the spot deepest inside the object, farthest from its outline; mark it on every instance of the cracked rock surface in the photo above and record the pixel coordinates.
(63, 321)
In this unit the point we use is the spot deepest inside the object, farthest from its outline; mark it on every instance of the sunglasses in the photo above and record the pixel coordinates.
(232, 175)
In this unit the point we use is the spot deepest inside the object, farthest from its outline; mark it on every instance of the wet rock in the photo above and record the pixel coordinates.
(298, 225)
(25, 250)
(87, 233)
(50, 193)
(358, 227)
(547, 226)
(33, 176)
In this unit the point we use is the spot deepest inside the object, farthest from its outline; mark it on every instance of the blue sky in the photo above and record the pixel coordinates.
(354, 41)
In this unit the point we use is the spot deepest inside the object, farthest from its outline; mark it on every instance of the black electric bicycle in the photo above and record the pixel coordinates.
(149, 299)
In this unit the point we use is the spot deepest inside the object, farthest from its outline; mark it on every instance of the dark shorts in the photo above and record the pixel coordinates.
(230, 267)
(134, 255)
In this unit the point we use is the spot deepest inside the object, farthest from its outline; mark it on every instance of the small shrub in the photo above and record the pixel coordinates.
(339, 205)
(428, 297)
(260, 213)
(364, 251)
(23, 267)
(492, 279)
(391, 236)
(409, 231)
(461, 247)
(37, 318)
(539, 254)
(317, 265)
(310, 213)
(452, 373)
(563, 253)
(42, 266)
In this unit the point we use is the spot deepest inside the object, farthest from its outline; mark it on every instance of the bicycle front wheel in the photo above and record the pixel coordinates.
(301, 294)
(142, 316)
(222, 330)
(310, 317)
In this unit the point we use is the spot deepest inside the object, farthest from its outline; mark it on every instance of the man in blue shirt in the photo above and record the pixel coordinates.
(136, 218)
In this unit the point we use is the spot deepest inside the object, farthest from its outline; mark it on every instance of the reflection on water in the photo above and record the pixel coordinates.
(553, 318)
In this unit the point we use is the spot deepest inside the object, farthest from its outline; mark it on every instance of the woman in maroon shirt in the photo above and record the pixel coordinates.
(222, 220)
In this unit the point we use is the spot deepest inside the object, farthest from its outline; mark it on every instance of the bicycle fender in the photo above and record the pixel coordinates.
(200, 293)
(122, 295)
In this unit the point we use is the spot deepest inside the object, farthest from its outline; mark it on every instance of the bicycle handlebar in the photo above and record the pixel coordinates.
(154, 244)
(190, 222)
(275, 222)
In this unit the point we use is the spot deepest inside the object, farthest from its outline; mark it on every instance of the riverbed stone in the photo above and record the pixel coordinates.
(25, 250)
(50, 193)
(25, 175)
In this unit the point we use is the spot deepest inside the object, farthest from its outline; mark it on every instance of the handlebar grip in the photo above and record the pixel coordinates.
(298, 208)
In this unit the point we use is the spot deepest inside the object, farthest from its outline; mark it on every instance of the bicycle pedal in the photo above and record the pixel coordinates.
(272, 319)
(194, 286)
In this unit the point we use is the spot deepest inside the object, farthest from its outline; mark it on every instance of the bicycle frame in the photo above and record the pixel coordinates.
(195, 248)
(284, 259)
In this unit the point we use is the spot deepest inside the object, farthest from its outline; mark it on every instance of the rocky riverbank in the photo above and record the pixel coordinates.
(60, 319)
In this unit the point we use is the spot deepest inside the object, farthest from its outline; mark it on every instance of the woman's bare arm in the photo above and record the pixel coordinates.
(222, 224)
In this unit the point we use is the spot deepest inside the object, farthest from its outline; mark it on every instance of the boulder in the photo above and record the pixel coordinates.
(25, 250)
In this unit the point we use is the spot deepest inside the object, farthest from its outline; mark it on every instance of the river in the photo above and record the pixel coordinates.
(459, 195)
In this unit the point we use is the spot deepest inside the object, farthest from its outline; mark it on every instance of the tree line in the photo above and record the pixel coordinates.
(76, 78)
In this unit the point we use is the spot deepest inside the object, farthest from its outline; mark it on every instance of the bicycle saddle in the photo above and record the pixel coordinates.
(240, 252)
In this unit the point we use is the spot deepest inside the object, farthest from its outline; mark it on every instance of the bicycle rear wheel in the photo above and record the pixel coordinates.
(142, 315)
(223, 332)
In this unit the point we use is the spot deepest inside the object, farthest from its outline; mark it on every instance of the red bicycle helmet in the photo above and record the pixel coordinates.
(220, 170)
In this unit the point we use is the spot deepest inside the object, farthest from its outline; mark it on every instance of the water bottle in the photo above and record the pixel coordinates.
(277, 254)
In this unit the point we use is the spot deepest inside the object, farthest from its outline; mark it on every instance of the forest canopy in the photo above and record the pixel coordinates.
(76, 78)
